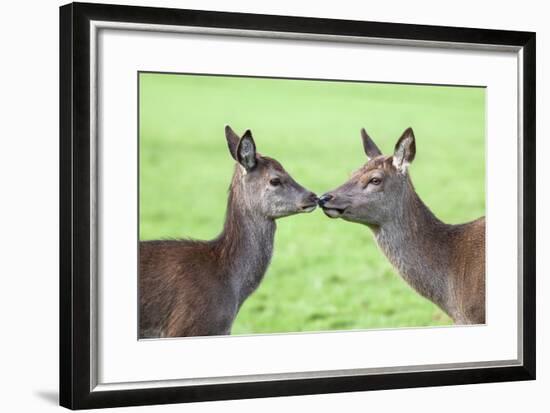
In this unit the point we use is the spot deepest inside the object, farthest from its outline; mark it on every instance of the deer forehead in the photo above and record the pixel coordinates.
(265, 167)
(380, 163)
(269, 165)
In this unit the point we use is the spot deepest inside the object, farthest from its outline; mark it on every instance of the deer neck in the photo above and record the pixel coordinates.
(245, 246)
(416, 243)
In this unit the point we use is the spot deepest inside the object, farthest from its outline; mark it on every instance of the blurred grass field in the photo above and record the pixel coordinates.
(325, 274)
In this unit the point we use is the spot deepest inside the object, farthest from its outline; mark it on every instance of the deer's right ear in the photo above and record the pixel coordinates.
(246, 151)
(369, 146)
(405, 150)
(232, 141)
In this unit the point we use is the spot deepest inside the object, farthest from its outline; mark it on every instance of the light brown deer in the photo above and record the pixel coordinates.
(195, 288)
(444, 263)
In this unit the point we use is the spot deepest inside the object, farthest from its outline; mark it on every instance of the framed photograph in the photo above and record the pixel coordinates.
(257, 206)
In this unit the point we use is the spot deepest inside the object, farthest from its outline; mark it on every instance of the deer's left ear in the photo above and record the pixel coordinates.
(405, 150)
(246, 151)
(371, 150)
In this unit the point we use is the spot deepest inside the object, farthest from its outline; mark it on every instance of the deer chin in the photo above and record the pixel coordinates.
(296, 210)
(308, 208)
(333, 212)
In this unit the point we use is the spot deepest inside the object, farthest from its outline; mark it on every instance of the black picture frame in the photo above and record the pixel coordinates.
(75, 220)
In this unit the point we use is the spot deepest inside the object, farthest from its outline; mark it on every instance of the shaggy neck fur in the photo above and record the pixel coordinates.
(245, 245)
(416, 243)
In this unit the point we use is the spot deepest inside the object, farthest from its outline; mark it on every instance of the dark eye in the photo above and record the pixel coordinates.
(375, 181)
(275, 182)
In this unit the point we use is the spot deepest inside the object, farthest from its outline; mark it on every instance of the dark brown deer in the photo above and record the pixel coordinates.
(444, 263)
(195, 288)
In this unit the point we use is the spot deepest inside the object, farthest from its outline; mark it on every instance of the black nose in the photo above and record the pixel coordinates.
(324, 199)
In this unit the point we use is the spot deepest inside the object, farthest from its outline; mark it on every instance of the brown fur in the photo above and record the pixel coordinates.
(468, 272)
(168, 290)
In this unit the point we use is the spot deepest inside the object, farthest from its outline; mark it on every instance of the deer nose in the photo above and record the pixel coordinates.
(324, 199)
(312, 197)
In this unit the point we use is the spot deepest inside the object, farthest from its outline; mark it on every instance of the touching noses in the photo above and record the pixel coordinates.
(324, 199)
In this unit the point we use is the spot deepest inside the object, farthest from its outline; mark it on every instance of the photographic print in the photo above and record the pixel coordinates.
(303, 194)
(276, 205)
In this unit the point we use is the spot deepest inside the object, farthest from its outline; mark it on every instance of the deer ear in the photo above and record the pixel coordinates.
(369, 146)
(405, 150)
(246, 151)
(232, 141)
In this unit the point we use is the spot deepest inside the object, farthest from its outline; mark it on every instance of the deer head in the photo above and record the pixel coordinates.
(261, 185)
(376, 192)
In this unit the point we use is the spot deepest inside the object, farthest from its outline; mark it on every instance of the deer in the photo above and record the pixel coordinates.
(196, 288)
(443, 263)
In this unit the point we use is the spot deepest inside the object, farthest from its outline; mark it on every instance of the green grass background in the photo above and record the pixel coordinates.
(325, 274)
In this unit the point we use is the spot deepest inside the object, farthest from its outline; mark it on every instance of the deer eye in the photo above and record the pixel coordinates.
(375, 181)
(275, 182)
